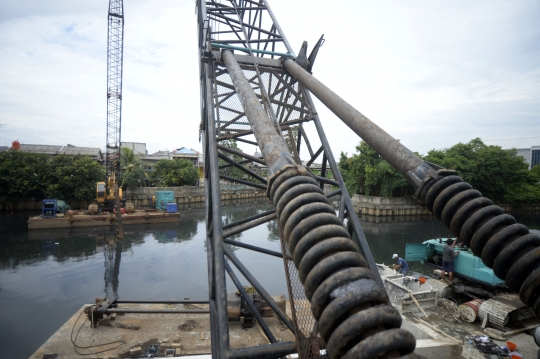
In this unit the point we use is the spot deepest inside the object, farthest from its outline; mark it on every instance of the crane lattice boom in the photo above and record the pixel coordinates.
(114, 89)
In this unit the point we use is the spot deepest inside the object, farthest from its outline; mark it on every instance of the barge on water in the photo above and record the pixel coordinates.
(74, 219)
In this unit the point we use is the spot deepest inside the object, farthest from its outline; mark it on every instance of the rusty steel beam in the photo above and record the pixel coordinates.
(273, 148)
(406, 162)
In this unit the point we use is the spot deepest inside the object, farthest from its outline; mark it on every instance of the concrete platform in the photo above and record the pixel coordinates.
(442, 325)
(101, 220)
(190, 334)
(192, 331)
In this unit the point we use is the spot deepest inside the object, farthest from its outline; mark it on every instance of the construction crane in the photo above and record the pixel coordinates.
(111, 193)
(106, 190)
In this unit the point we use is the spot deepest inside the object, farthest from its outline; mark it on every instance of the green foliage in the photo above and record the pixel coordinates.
(136, 177)
(133, 171)
(22, 175)
(233, 171)
(498, 174)
(501, 175)
(179, 172)
(26, 175)
(129, 159)
(368, 174)
(73, 178)
(535, 173)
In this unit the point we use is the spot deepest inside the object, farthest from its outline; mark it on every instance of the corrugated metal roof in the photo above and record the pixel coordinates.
(62, 150)
(517, 143)
(160, 154)
(84, 151)
(186, 151)
(45, 149)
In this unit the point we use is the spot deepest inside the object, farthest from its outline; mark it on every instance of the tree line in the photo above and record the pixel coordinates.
(25, 175)
(165, 172)
(33, 176)
(500, 175)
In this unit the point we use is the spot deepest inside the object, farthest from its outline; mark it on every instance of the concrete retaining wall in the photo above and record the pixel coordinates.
(408, 206)
(142, 196)
(382, 206)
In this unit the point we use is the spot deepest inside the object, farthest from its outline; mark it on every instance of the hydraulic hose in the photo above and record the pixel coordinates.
(503, 244)
(353, 311)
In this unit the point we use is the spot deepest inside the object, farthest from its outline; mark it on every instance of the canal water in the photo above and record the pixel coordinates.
(46, 276)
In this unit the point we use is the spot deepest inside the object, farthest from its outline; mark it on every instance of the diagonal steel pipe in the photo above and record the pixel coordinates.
(504, 245)
(406, 162)
(353, 311)
(274, 150)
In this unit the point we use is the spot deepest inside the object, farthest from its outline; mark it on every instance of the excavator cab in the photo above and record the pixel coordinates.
(100, 192)
(105, 194)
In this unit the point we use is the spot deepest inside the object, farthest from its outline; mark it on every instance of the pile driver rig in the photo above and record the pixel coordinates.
(253, 89)
(107, 191)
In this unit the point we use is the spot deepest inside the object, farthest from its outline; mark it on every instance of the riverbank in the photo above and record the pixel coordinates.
(142, 197)
(408, 206)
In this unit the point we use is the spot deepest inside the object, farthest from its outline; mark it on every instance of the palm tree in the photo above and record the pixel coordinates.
(129, 159)
(133, 170)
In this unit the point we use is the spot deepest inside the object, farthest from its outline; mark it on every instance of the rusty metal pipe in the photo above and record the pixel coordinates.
(327, 259)
(503, 244)
(273, 148)
(406, 162)
(274, 350)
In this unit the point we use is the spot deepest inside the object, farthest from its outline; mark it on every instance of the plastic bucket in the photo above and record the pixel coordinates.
(511, 346)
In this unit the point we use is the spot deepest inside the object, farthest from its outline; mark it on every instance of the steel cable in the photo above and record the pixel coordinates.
(504, 245)
(354, 315)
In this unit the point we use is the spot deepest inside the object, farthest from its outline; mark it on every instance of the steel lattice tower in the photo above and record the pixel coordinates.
(114, 88)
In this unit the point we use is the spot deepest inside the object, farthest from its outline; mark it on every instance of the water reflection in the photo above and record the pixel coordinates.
(273, 231)
(113, 255)
(46, 276)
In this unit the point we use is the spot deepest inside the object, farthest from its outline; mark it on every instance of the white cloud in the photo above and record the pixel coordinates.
(430, 73)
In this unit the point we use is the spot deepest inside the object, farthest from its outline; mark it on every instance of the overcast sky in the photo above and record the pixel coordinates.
(431, 73)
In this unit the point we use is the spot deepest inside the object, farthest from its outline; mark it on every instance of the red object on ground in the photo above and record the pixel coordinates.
(511, 346)
(122, 211)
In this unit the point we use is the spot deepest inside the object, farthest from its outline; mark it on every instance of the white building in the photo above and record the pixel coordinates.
(526, 147)
(137, 147)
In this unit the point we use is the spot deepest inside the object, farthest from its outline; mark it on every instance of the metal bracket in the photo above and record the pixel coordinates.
(314, 52)
(95, 313)
(249, 318)
(207, 57)
(434, 174)
(302, 59)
